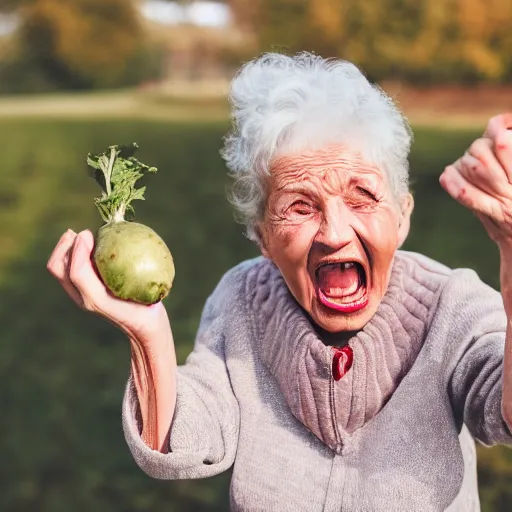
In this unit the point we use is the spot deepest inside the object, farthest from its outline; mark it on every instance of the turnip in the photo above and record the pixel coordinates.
(133, 262)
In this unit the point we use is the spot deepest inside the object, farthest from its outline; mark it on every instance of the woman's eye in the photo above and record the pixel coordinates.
(366, 193)
(301, 208)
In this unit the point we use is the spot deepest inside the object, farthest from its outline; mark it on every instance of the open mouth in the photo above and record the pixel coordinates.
(342, 286)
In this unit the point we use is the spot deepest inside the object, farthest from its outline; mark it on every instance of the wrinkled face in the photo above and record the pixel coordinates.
(332, 226)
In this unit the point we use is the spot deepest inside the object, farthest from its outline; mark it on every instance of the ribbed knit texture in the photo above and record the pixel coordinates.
(257, 391)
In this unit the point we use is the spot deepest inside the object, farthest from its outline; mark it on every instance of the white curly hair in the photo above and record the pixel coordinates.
(286, 103)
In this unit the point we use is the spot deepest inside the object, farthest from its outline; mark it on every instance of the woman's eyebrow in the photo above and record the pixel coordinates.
(368, 179)
(295, 188)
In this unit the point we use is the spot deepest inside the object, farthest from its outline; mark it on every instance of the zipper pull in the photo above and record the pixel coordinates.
(342, 360)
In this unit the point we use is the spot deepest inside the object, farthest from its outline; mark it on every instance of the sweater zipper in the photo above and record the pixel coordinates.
(339, 443)
(342, 359)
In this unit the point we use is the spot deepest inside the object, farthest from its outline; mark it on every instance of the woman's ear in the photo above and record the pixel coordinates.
(407, 206)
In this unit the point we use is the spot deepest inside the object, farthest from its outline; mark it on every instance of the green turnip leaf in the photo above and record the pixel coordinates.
(117, 171)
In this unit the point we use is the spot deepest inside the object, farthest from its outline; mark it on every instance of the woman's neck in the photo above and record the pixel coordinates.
(334, 339)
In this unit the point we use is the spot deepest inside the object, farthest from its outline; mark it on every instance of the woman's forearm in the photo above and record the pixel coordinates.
(506, 403)
(506, 293)
(153, 366)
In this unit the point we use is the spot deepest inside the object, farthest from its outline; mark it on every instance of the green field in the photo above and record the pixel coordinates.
(63, 371)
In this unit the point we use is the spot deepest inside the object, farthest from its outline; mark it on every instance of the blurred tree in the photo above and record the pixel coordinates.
(415, 40)
(486, 35)
(79, 43)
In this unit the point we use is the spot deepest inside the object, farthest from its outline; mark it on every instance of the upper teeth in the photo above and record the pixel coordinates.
(343, 265)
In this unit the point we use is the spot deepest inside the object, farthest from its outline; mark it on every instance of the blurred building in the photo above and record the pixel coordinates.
(199, 39)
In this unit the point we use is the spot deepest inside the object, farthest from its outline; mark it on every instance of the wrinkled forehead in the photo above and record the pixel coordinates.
(332, 162)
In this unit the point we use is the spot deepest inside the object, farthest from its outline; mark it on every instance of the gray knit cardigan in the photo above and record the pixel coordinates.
(396, 433)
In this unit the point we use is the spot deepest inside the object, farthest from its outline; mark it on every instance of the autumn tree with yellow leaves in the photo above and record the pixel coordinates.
(415, 40)
(73, 44)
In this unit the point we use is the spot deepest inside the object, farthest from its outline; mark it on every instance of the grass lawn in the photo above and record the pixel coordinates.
(65, 370)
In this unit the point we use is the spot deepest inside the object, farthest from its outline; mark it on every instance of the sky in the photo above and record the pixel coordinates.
(203, 13)
(8, 24)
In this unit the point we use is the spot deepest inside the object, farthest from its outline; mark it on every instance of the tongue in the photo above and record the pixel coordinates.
(337, 282)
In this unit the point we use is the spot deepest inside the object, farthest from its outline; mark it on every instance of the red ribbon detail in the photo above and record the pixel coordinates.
(342, 361)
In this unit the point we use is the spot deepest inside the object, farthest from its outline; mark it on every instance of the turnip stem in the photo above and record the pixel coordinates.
(119, 215)
(113, 154)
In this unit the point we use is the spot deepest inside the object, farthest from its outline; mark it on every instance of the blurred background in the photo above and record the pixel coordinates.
(79, 75)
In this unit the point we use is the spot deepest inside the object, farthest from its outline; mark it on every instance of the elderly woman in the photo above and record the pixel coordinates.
(335, 372)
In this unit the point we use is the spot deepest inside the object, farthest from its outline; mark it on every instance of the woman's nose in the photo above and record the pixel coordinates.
(336, 229)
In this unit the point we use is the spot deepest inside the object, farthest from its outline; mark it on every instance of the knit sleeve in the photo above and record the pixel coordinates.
(476, 325)
(204, 430)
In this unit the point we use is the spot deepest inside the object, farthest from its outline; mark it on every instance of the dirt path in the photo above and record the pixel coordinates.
(124, 105)
(451, 106)
(447, 107)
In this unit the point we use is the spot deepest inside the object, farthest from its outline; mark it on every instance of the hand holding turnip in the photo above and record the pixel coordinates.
(70, 263)
(132, 262)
